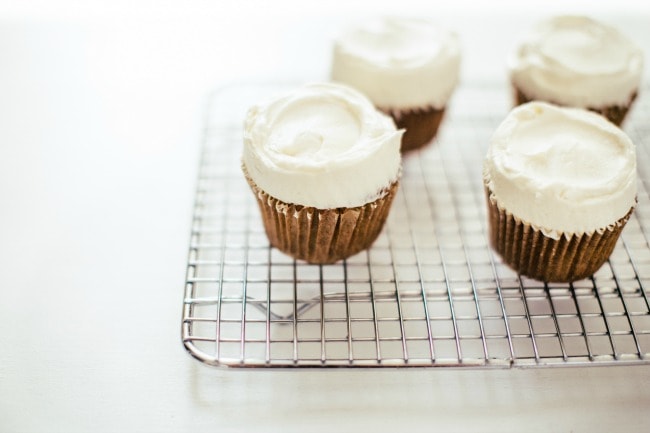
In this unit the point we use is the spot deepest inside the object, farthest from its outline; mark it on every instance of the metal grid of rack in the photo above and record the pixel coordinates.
(430, 292)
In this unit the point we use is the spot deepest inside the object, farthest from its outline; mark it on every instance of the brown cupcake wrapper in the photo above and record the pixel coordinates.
(421, 125)
(614, 113)
(322, 236)
(530, 252)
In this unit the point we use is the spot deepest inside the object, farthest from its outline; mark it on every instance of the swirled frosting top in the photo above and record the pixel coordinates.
(563, 170)
(398, 62)
(576, 61)
(322, 145)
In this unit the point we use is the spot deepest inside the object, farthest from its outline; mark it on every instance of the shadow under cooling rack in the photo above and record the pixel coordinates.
(430, 292)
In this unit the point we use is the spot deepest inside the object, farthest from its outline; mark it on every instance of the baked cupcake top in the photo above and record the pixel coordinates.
(321, 145)
(576, 61)
(562, 170)
(398, 62)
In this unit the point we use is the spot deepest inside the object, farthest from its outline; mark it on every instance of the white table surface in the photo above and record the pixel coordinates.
(100, 113)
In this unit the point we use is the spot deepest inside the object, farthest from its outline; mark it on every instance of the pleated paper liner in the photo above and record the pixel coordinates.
(529, 252)
(322, 236)
(421, 125)
(614, 113)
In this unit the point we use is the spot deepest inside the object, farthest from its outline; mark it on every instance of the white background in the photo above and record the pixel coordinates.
(100, 111)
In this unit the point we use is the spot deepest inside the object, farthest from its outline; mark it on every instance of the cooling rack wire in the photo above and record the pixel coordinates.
(428, 293)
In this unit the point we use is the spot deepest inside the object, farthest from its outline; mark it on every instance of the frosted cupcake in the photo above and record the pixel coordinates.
(407, 67)
(324, 165)
(578, 62)
(560, 185)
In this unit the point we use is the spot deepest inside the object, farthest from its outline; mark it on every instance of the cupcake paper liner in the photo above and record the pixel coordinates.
(322, 236)
(421, 125)
(614, 113)
(529, 252)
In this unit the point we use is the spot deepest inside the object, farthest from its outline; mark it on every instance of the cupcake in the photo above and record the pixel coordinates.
(578, 62)
(407, 67)
(324, 166)
(560, 185)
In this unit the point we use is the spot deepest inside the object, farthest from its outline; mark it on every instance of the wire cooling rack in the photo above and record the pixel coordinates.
(429, 292)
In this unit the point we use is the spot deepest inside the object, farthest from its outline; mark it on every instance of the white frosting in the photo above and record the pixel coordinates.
(322, 145)
(398, 62)
(572, 60)
(561, 169)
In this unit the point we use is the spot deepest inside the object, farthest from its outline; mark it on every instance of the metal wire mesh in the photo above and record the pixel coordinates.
(429, 292)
